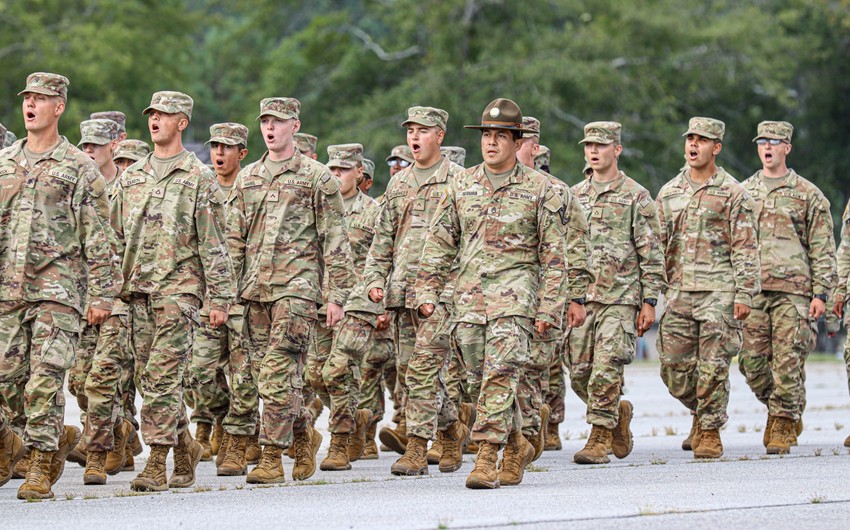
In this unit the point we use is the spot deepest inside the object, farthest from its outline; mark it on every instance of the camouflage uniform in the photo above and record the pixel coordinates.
(843, 264)
(711, 260)
(59, 209)
(174, 255)
(796, 249)
(131, 149)
(455, 154)
(281, 228)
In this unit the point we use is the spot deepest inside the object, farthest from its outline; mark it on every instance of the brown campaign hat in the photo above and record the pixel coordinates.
(47, 84)
(501, 113)
(171, 102)
(776, 130)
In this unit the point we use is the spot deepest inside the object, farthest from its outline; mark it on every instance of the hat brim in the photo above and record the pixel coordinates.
(338, 162)
(166, 110)
(405, 158)
(426, 123)
(93, 140)
(276, 114)
(703, 134)
(225, 141)
(770, 136)
(596, 140)
(41, 90)
(485, 127)
(134, 158)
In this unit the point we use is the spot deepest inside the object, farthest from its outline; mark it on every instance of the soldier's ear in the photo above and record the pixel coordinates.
(182, 124)
(717, 148)
(60, 107)
(242, 154)
(296, 126)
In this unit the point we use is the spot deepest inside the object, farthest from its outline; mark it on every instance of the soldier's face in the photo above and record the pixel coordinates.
(498, 148)
(425, 143)
(165, 128)
(225, 158)
(348, 178)
(601, 157)
(123, 163)
(700, 151)
(365, 184)
(396, 165)
(528, 149)
(773, 156)
(41, 111)
(101, 154)
(278, 133)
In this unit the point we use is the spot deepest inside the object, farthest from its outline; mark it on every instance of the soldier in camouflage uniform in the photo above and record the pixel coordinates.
(506, 225)
(542, 158)
(455, 154)
(169, 214)
(712, 264)
(3, 132)
(843, 287)
(55, 202)
(306, 144)
(797, 254)
(129, 152)
(368, 176)
(629, 268)
(286, 226)
(118, 117)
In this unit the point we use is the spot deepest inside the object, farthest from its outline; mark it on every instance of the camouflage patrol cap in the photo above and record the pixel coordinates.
(3, 132)
(305, 143)
(501, 113)
(47, 84)
(118, 117)
(345, 155)
(171, 103)
(368, 168)
(532, 124)
(228, 134)
(602, 132)
(777, 130)
(283, 108)
(706, 127)
(131, 150)
(10, 138)
(542, 158)
(427, 116)
(454, 153)
(401, 151)
(98, 132)
(587, 169)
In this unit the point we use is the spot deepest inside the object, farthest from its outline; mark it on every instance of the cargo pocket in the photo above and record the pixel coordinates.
(626, 351)
(299, 326)
(60, 347)
(733, 336)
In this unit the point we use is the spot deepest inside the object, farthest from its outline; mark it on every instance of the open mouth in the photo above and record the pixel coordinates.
(594, 159)
(270, 137)
(219, 162)
(154, 128)
(415, 148)
(692, 154)
(768, 157)
(29, 115)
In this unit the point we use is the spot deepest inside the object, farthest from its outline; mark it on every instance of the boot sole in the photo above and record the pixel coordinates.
(172, 484)
(280, 480)
(477, 484)
(625, 431)
(450, 469)
(707, 457)
(231, 472)
(324, 467)
(34, 496)
(774, 450)
(134, 486)
(91, 480)
(582, 459)
(433, 460)
(372, 457)
(406, 472)
(686, 445)
(392, 441)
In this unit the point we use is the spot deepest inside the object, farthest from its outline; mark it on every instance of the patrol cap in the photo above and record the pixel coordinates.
(587, 169)
(10, 138)
(283, 108)
(3, 132)
(427, 116)
(47, 84)
(345, 155)
(542, 158)
(455, 154)
(531, 124)
(305, 142)
(501, 113)
(131, 150)
(368, 168)
(706, 127)
(228, 133)
(777, 130)
(118, 117)
(171, 103)
(602, 132)
(98, 132)
(401, 151)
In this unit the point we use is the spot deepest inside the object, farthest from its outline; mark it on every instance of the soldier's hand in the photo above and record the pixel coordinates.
(217, 318)
(576, 315)
(383, 322)
(426, 310)
(542, 327)
(817, 308)
(376, 294)
(838, 308)
(645, 319)
(335, 314)
(96, 317)
(742, 311)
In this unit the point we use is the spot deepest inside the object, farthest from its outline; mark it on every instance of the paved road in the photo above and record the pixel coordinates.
(658, 485)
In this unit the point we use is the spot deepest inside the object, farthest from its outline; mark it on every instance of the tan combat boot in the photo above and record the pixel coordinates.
(270, 468)
(37, 484)
(216, 438)
(20, 469)
(68, 439)
(226, 439)
(710, 445)
(202, 435)
(234, 463)
(688, 443)
(337, 459)
(135, 443)
(471, 448)
(765, 438)
(553, 438)
(306, 446)
(187, 455)
(452, 441)
(395, 439)
(11, 451)
(77, 454)
(116, 458)
(413, 462)
(95, 474)
(518, 453)
(596, 449)
(253, 452)
(315, 408)
(621, 440)
(780, 436)
(357, 439)
(484, 475)
(538, 440)
(370, 452)
(152, 477)
(798, 430)
(435, 452)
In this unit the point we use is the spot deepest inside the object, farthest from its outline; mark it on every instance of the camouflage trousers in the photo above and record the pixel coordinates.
(697, 338)
(208, 369)
(380, 354)
(406, 324)
(278, 335)
(493, 356)
(391, 381)
(534, 380)
(163, 333)
(244, 369)
(429, 408)
(557, 391)
(103, 390)
(596, 354)
(86, 345)
(37, 346)
(777, 341)
(456, 380)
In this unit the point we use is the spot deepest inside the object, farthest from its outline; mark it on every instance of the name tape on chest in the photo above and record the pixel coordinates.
(61, 175)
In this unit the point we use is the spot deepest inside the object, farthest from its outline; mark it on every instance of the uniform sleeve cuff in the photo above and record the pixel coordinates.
(744, 299)
(102, 303)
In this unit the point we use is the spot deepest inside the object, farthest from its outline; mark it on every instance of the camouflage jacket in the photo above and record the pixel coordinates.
(285, 229)
(843, 257)
(172, 231)
(626, 251)
(55, 242)
(579, 273)
(509, 243)
(796, 243)
(236, 308)
(393, 260)
(709, 236)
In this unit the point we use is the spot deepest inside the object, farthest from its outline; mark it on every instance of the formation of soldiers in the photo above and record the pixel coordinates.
(470, 295)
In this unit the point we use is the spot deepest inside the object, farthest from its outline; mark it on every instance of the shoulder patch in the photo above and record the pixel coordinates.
(328, 184)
